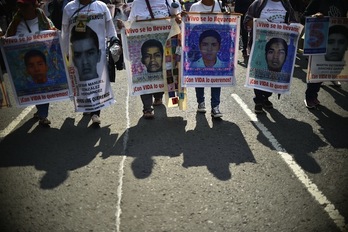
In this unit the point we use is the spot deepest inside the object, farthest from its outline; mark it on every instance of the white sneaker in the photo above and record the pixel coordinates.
(215, 112)
(201, 108)
(95, 119)
(336, 83)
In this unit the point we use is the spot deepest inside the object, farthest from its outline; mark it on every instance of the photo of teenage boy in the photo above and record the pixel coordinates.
(152, 58)
(337, 43)
(276, 51)
(209, 47)
(86, 53)
(36, 66)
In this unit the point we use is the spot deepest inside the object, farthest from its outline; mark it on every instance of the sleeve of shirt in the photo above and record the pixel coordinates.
(65, 33)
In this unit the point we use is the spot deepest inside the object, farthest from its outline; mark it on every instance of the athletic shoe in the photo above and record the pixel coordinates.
(44, 122)
(95, 119)
(215, 112)
(157, 102)
(267, 104)
(258, 109)
(201, 108)
(311, 103)
(148, 114)
(336, 83)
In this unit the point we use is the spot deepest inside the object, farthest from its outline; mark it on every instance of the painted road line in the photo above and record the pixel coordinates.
(300, 174)
(121, 167)
(15, 122)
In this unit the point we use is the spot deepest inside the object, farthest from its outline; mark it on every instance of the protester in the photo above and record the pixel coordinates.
(78, 17)
(208, 6)
(30, 19)
(241, 6)
(321, 8)
(140, 11)
(275, 11)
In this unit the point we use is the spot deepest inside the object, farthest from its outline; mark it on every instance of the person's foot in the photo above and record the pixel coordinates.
(95, 119)
(157, 102)
(148, 114)
(215, 112)
(44, 122)
(258, 109)
(86, 113)
(311, 103)
(201, 108)
(336, 83)
(267, 104)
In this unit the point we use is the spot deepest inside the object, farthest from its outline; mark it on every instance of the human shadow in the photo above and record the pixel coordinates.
(55, 151)
(149, 138)
(296, 137)
(216, 147)
(332, 126)
(339, 95)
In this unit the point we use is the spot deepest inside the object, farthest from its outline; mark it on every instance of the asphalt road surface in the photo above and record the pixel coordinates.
(286, 170)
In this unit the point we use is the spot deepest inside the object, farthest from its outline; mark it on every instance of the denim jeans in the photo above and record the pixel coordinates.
(312, 90)
(42, 110)
(261, 96)
(147, 100)
(215, 96)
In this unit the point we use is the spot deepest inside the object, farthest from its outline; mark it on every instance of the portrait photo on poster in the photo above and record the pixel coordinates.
(86, 54)
(208, 50)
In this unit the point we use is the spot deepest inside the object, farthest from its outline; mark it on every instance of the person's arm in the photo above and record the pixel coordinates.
(250, 15)
(65, 33)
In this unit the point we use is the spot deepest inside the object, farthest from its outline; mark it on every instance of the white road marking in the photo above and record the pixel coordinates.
(300, 174)
(15, 122)
(121, 168)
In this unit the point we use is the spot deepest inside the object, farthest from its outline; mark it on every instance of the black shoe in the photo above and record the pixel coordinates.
(267, 104)
(258, 109)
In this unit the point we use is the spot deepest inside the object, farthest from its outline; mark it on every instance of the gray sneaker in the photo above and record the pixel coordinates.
(215, 112)
(201, 108)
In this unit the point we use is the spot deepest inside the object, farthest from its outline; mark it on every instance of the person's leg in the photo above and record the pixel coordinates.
(200, 100)
(147, 105)
(312, 94)
(42, 113)
(244, 34)
(215, 102)
(215, 96)
(258, 100)
(95, 117)
(158, 98)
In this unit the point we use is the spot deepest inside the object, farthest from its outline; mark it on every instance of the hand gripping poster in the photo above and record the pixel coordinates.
(209, 49)
(151, 59)
(36, 68)
(331, 66)
(4, 99)
(272, 56)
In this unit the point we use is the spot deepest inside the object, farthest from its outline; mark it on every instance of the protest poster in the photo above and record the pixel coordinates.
(149, 48)
(315, 35)
(4, 99)
(87, 64)
(36, 68)
(209, 49)
(272, 56)
(332, 65)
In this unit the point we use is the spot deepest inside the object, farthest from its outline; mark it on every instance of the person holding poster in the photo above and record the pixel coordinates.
(321, 8)
(275, 11)
(29, 19)
(153, 9)
(87, 24)
(211, 38)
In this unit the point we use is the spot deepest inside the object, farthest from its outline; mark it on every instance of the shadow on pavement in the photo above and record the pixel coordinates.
(216, 148)
(296, 137)
(55, 151)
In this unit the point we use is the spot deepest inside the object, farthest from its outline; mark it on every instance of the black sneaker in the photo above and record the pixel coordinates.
(267, 104)
(215, 112)
(258, 109)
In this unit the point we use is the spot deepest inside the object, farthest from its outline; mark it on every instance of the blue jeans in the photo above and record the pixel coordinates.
(42, 110)
(312, 90)
(261, 96)
(215, 96)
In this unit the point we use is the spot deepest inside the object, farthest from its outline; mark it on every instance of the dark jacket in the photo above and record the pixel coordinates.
(241, 6)
(333, 8)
